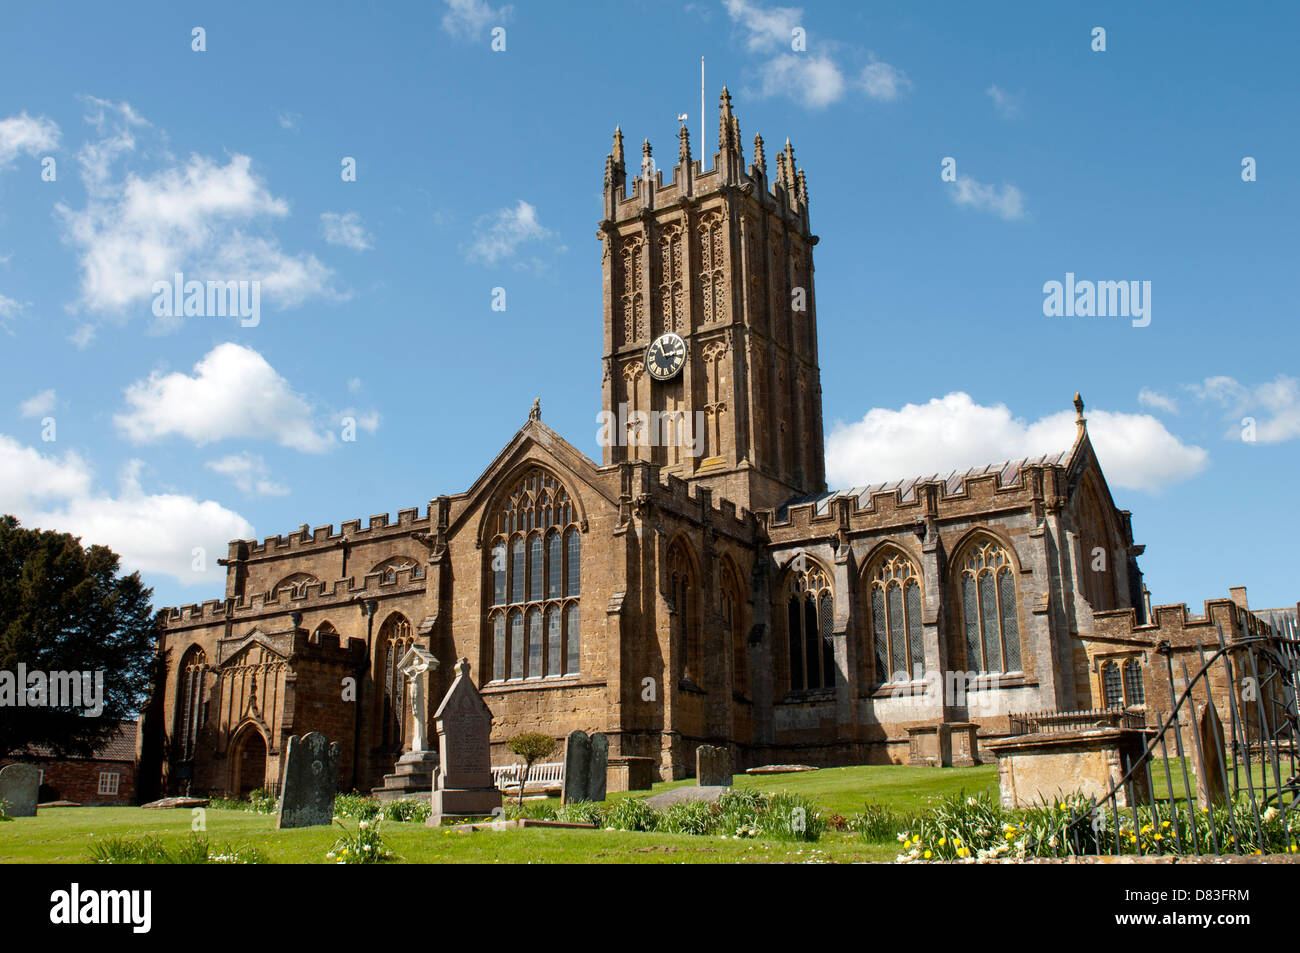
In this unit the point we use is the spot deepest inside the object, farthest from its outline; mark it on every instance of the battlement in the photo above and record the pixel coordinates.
(310, 596)
(1179, 625)
(350, 531)
(909, 500)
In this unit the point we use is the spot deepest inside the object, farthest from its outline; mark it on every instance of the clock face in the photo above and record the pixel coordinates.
(665, 357)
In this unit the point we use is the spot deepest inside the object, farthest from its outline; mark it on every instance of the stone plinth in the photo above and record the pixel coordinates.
(943, 745)
(412, 778)
(632, 774)
(1045, 766)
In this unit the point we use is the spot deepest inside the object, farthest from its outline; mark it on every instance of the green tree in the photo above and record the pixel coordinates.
(532, 746)
(65, 608)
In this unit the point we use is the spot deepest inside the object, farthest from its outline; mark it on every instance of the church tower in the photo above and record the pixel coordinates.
(710, 357)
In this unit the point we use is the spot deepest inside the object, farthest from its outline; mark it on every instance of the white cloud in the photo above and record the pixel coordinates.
(26, 135)
(813, 80)
(84, 336)
(1007, 203)
(233, 393)
(9, 308)
(1005, 104)
(153, 533)
(884, 82)
(1276, 401)
(367, 420)
(354, 385)
(1157, 401)
(289, 121)
(468, 19)
(768, 29)
(498, 236)
(249, 474)
(190, 217)
(345, 230)
(38, 405)
(953, 432)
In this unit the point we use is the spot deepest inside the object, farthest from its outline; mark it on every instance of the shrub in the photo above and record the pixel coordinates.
(406, 809)
(4, 811)
(787, 816)
(364, 846)
(689, 817)
(879, 825)
(356, 805)
(582, 812)
(149, 849)
(531, 746)
(263, 801)
(631, 814)
(533, 810)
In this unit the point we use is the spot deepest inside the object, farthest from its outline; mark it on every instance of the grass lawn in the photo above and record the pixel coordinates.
(62, 835)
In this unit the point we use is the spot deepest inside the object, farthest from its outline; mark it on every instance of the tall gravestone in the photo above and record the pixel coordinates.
(311, 775)
(586, 759)
(1211, 781)
(712, 766)
(463, 784)
(19, 785)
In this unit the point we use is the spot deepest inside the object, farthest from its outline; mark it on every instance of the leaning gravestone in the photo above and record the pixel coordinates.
(311, 775)
(712, 766)
(19, 785)
(462, 786)
(1211, 783)
(586, 759)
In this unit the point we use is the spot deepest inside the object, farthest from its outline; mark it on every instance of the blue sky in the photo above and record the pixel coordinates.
(478, 169)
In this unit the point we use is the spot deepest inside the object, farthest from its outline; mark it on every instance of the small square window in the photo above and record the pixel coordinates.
(108, 781)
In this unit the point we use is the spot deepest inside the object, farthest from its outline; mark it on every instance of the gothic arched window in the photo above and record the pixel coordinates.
(990, 618)
(1112, 688)
(810, 619)
(1134, 690)
(389, 568)
(394, 640)
(733, 628)
(535, 573)
(683, 593)
(895, 613)
(190, 712)
(295, 585)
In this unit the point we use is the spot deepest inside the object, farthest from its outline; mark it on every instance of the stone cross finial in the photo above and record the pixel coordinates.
(1080, 421)
(462, 668)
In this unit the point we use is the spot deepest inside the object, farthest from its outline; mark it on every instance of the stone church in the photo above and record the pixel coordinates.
(699, 584)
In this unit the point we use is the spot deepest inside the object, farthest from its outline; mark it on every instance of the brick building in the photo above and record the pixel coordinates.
(697, 585)
(105, 778)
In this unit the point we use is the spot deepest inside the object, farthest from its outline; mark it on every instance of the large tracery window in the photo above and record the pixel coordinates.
(895, 603)
(988, 606)
(536, 577)
(191, 709)
(810, 618)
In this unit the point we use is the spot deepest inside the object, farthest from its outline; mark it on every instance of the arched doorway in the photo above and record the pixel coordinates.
(248, 762)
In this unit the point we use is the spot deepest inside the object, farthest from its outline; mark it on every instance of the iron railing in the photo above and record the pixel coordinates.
(1255, 752)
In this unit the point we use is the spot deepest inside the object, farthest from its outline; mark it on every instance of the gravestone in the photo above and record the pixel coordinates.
(310, 781)
(19, 784)
(586, 761)
(577, 767)
(463, 786)
(712, 766)
(1211, 782)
